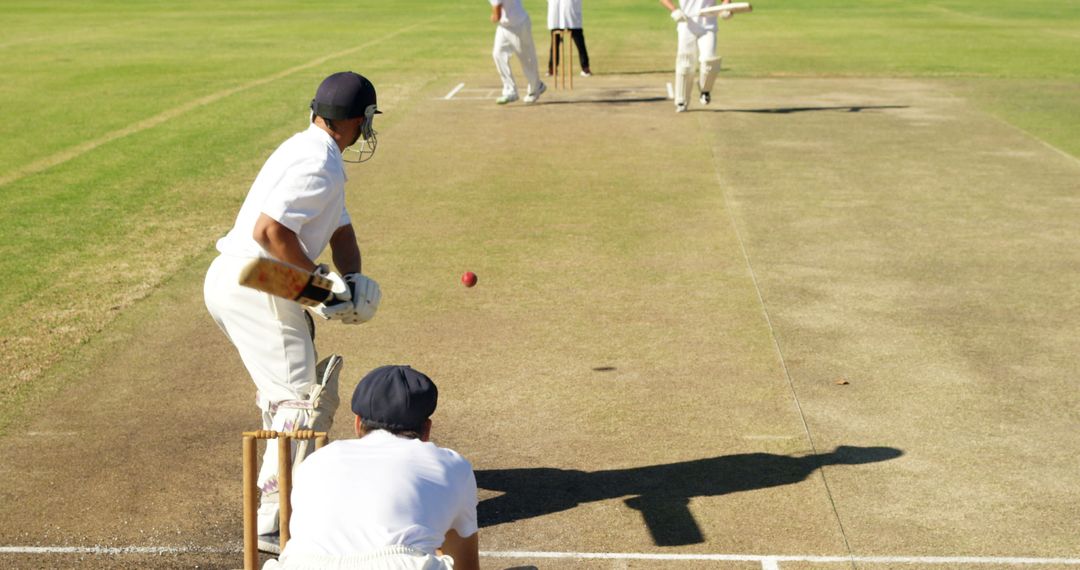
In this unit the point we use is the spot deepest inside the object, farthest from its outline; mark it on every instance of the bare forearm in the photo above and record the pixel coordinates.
(464, 551)
(345, 251)
(496, 14)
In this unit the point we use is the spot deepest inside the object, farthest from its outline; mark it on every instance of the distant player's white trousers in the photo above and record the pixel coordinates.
(697, 42)
(272, 336)
(518, 41)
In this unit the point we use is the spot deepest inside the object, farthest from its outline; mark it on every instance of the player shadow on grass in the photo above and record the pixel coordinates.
(661, 493)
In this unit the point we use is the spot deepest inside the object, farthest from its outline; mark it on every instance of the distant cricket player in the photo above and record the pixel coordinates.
(295, 208)
(513, 35)
(697, 41)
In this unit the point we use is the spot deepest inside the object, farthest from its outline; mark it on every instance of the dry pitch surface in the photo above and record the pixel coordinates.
(819, 318)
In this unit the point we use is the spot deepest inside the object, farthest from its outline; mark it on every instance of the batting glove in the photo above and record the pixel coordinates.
(678, 15)
(360, 306)
(340, 290)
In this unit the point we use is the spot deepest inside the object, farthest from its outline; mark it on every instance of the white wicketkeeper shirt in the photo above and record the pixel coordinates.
(302, 186)
(358, 496)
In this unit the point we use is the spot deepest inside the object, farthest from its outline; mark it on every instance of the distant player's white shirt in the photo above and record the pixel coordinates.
(302, 186)
(361, 495)
(564, 15)
(513, 13)
(692, 9)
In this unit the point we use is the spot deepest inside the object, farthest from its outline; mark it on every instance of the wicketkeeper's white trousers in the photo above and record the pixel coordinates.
(517, 41)
(389, 558)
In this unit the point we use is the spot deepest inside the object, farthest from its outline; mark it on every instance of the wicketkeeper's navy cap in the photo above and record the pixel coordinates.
(395, 398)
(344, 95)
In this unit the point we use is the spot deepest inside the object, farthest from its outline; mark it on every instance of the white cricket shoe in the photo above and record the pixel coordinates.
(680, 107)
(532, 97)
(507, 99)
(705, 98)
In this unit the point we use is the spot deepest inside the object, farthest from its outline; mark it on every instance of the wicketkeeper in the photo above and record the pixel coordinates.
(697, 41)
(295, 208)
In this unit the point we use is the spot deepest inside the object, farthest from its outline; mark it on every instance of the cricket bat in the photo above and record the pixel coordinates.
(286, 280)
(733, 7)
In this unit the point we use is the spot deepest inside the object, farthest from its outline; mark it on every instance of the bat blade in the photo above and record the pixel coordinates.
(733, 7)
(286, 281)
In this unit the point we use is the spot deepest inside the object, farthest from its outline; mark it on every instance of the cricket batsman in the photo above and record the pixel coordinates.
(293, 211)
(697, 41)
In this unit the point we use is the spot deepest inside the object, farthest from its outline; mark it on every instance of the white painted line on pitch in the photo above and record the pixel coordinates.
(725, 194)
(115, 550)
(79, 150)
(767, 561)
(454, 91)
(772, 561)
(51, 433)
(670, 91)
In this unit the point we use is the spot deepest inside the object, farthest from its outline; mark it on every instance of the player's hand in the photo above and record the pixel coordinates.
(365, 295)
(360, 306)
(725, 15)
(678, 15)
(340, 289)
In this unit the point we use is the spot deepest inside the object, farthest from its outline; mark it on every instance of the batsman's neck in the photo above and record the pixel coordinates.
(345, 132)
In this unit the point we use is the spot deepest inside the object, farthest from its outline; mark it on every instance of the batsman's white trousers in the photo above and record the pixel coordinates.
(518, 41)
(389, 558)
(697, 38)
(271, 334)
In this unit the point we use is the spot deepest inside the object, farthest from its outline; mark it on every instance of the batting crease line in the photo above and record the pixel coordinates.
(115, 550)
(775, 559)
(776, 345)
(160, 118)
(454, 91)
(764, 559)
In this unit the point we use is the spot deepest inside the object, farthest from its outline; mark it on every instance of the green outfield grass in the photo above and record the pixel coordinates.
(96, 217)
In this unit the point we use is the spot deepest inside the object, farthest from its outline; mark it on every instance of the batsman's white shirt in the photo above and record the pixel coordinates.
(302, 186)
(359, 496)
(698, 24)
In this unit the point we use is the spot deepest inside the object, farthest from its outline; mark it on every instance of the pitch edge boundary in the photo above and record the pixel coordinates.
(767, 560)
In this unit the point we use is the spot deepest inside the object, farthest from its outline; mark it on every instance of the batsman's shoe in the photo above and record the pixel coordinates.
(586, 73)
(506, 99)
(705, 98)
(532, 97)
(270, 543)
(680, 107)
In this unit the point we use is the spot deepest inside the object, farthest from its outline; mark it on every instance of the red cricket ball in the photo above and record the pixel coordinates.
(468, 279)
